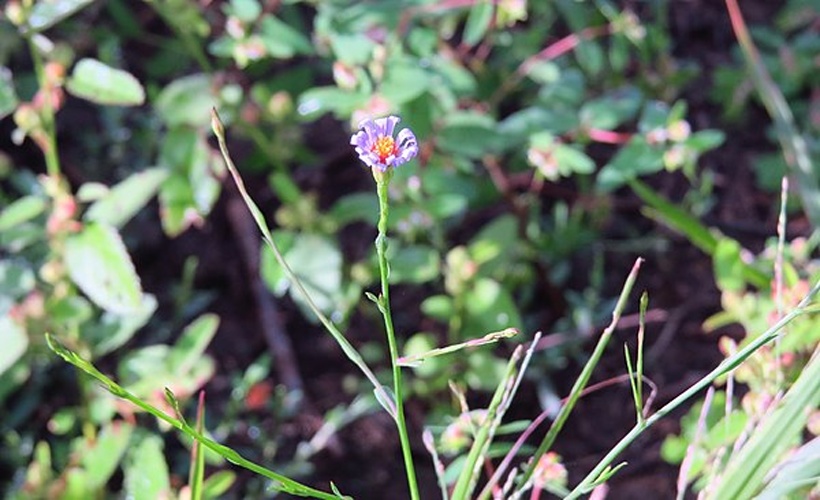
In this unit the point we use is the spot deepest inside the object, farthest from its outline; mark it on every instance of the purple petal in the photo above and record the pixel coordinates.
(387, 124)
(370, 129)
(408, 146)
(406, 138)
(359, 139)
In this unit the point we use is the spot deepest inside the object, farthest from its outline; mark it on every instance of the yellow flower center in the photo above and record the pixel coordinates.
(385, 146)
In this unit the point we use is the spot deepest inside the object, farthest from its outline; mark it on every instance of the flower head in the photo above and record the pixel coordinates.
(378, 149)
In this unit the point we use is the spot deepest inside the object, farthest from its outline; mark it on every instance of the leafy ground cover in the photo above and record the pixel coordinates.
(558, 141)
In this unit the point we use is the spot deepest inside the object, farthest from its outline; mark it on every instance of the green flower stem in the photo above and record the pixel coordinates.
(583, 378)
(382, 183)
(50, 149)
(350, 351)
(281, 482)
(727, 365)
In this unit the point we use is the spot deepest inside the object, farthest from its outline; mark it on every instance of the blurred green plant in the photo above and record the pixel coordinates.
(532, 117)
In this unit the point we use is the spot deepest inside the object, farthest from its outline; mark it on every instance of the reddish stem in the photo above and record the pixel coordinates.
(608, 136)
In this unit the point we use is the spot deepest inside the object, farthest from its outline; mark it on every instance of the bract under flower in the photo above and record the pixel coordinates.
(377, 147)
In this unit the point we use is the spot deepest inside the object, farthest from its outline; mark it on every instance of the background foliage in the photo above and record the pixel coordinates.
(559, 140)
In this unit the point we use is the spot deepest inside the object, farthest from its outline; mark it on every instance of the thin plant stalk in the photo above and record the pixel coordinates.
(727, 365)
(50, 146)
(636, 376)
(438, 465)
(686, 465)
(795, 149)
(350, 351)
(778, 271)
(417, 359)
(583, 378)
(382, 184)
(467, 479)
(282, 483)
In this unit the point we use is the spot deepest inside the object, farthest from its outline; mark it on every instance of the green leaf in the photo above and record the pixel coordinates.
(444, 205)
(495, 245)
(456, 77)
(21, 210)
(655, 115)
(190, 346)
(317, 263)
(97, 82)
(282, 40)
(662, 210)
(636, 158)
(100, 460)
(46, 14)
(125, 199)
(469, 134)
(590, 56)
(544, 72)
(273, 274)
(705, 140)
(217, 484)
(728, 265)
(356, 207)
(99, 264)
(568, 92)
(404, 81)
(146, 474)
(478, 21)
(246, 10)
(611, 111)
(352, 49)
(572, 161)
(416, 346)
(16, 280)
(490, 307)
(320, 100)
(414, 264)
(15, 343)
(187, 101)
(8, 96)
(111, 330)
(439, 307)
(797, 474)
(191, 190)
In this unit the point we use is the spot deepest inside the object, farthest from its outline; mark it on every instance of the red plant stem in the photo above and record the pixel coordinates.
(488, 469)
(738, 25)
(552, 51)
(608, 136)
(563, 46)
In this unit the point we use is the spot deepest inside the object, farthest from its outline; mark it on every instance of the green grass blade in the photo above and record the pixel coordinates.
(472, 467)
(662, 210)
(490, 338)
(748, 468)
(283, 483)
(583, 378)
(196, 477)
(724, 367)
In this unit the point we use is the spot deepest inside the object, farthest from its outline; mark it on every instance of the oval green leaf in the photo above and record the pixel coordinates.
(97, 82)
(100, 266)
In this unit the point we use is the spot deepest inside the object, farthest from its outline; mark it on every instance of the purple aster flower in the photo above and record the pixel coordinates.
(376, 146)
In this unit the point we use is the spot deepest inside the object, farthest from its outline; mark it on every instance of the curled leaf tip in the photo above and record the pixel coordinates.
(216, 124)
